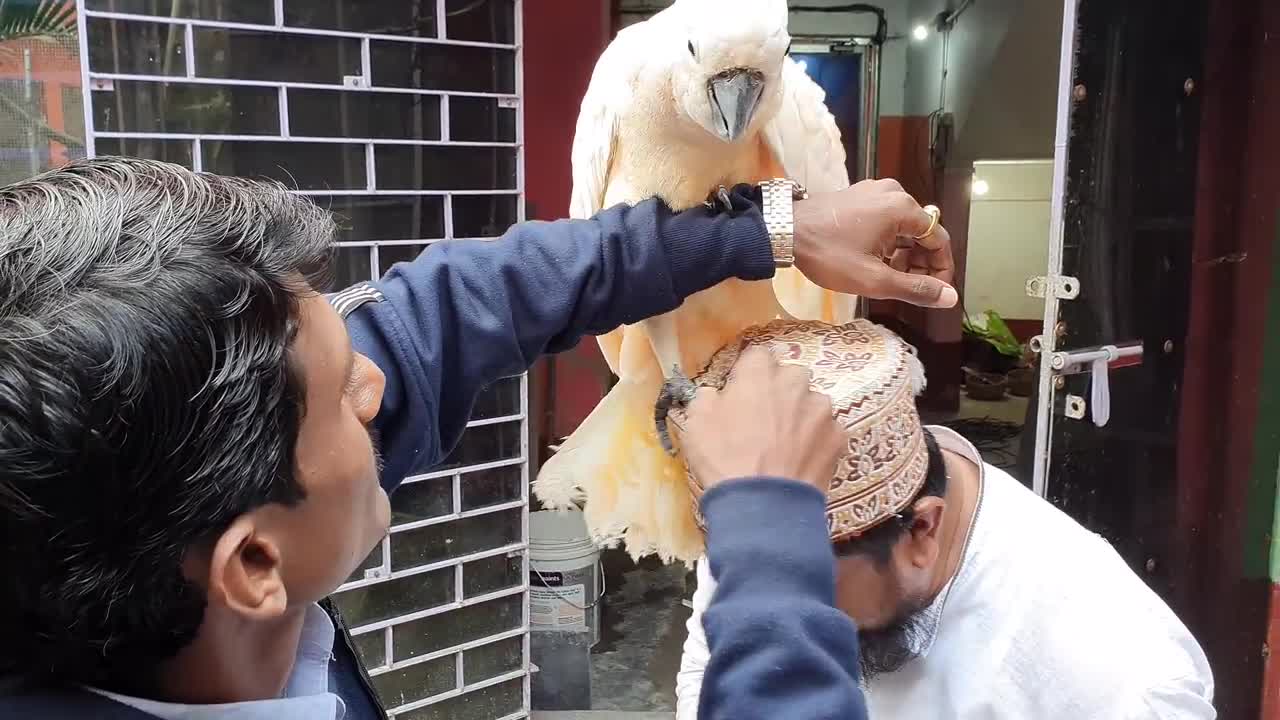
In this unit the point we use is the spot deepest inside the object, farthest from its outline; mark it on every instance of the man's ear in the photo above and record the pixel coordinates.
(926, 525)
(245, 572)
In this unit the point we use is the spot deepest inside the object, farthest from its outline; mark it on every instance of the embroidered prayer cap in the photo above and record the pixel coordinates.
(872, 378)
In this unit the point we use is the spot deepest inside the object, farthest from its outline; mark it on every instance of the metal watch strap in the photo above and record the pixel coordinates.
(779, 196)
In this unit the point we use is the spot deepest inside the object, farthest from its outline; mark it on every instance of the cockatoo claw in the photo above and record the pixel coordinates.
(677, 392)
(719, 201)
(723, 196)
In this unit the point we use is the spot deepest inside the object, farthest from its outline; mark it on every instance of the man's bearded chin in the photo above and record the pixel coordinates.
(907, 637)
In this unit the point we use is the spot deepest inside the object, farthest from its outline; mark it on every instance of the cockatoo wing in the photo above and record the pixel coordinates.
(594, 141)
(803, 136)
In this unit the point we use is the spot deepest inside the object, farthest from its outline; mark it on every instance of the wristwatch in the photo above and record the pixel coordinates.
(778, 206)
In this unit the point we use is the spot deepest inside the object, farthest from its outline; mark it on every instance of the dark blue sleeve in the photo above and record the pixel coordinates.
(467, 313)
(778, 646)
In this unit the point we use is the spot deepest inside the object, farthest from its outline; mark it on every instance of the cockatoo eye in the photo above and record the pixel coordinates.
(692, 50)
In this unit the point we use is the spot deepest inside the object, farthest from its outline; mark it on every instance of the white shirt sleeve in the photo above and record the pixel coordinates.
(693, 661)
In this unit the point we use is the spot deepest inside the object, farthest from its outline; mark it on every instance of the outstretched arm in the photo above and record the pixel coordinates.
(467, 313)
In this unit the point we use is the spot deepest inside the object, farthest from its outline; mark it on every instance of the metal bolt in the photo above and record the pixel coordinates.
(1151, 565)
(1080, 93)
(1189, 87)
(1168, 346)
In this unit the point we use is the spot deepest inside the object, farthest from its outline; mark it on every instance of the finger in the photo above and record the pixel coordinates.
(908, 218)
(941, 261)
(901, 260)
(754, 363)
(922, 290)
(889, 184)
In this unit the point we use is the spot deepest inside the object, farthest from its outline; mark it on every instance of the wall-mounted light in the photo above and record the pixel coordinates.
(980, 187)
(920, 33)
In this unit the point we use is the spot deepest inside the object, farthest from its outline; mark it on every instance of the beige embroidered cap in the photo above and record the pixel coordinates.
(872, 377)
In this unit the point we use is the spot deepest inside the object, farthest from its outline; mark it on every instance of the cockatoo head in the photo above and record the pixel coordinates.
(728, 74)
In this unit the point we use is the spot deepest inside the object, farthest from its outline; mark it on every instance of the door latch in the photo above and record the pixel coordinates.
(1097, 361)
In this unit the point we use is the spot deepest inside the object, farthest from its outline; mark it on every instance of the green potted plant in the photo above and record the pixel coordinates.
(991, 351)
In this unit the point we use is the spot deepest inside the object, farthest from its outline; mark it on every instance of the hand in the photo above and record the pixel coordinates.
(844, 238)
(766, 422)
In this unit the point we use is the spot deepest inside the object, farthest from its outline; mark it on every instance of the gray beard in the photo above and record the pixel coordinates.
(889, 649)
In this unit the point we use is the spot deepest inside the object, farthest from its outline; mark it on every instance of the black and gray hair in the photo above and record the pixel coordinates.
(878, 542)
(147, 398)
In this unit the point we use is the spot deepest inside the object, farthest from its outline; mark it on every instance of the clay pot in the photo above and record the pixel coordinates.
(985, 386)
(1022, 382)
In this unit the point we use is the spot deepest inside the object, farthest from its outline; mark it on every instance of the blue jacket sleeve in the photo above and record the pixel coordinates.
(778, 646)
(467, 313)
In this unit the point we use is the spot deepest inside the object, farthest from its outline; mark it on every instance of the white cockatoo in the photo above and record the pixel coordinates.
(701, 95)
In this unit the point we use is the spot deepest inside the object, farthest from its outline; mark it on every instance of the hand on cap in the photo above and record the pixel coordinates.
(766, 422)
(843, 240)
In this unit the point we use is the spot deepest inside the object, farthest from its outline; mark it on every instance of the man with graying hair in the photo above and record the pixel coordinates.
(974, 598)
(189, 430)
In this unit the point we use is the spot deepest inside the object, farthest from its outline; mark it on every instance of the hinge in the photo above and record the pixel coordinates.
(1065, 287)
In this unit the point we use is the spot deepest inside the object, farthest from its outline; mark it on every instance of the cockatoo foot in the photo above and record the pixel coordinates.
(677, 392)
(720, 200)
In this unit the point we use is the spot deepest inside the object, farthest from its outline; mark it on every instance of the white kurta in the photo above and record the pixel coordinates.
(1045, 621)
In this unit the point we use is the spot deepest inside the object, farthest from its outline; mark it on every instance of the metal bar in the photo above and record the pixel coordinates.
(495, 421)
(521, 210)
(442, 519)
(282, 99)
(1080, 361)
(472, 645)
(439, 610)
(304, 139)
(291, 30)
(431, 567)
(463, 470)
(871, 119)
(513, 675)
(189, 39)
(366, 63)
(337, 86)
(86, 87)
(1044, 412)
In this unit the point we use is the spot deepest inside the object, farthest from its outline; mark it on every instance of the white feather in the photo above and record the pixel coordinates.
(804, 135)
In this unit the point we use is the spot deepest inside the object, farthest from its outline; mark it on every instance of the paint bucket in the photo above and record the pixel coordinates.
(565, 578)
(566, 584)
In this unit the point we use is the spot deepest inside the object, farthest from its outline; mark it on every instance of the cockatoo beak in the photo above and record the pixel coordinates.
(735, 94)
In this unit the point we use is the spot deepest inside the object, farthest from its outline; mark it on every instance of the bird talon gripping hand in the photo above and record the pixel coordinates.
(677, 392)
(700, 97)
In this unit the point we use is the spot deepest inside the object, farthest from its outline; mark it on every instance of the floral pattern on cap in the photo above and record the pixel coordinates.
(872, 378)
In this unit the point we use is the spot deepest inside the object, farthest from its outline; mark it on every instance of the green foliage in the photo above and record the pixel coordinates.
(992, 329)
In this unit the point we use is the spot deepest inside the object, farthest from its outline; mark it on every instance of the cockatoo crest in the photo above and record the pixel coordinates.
(728, 79)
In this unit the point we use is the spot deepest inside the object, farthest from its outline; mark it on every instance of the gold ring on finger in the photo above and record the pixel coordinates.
(934, 216)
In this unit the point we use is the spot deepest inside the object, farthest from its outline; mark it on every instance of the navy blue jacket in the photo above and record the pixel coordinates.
(465, 314)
